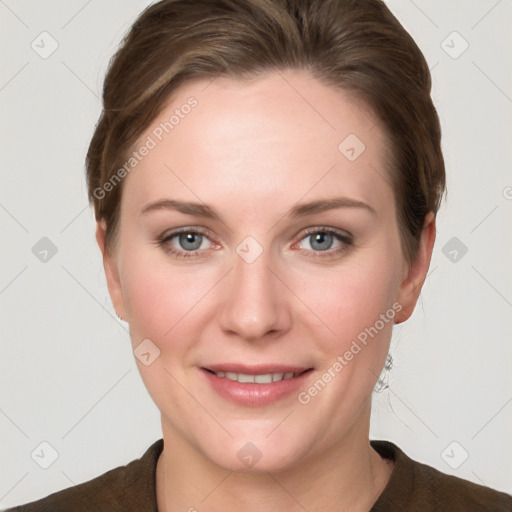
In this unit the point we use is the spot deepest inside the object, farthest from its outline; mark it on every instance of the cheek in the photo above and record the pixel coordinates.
(162, 299)
(351, 297)
(353, 321)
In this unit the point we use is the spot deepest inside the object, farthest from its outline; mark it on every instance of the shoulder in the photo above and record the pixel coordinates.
(129, 487)
(455, 493)
(419, 487)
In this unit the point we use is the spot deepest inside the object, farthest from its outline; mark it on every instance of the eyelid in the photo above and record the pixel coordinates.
(342, 236)
(326, 229)
(187, 229)
(164, 240)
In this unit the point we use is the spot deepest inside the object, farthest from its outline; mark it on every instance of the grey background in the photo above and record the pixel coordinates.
(67, 374)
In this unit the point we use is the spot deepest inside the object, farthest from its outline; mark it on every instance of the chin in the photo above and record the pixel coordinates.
(258, 455)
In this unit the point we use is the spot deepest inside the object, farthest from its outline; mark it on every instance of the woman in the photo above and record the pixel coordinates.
(265, 177)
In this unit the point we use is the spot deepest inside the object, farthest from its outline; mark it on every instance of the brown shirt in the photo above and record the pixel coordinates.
(413, 486)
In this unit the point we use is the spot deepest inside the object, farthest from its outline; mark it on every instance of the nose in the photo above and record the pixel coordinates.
(255, 303)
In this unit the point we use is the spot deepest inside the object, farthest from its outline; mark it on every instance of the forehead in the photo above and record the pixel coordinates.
(283, 133)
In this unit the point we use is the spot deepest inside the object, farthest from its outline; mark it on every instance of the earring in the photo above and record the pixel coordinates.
(383, 382)
(119, 316)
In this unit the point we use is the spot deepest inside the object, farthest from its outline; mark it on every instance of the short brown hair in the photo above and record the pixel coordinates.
(357, 46)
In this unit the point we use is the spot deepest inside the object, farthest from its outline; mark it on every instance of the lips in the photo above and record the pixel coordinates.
(255, 385)
(259, 374)
(259, 369)
(260, 378)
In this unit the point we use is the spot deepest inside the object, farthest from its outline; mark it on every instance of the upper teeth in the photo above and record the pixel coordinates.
(266, 378)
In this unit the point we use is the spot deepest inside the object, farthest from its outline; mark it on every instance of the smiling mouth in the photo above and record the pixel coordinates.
(262, 378)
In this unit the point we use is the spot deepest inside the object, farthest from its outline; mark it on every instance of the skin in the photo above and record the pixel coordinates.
(251, 151)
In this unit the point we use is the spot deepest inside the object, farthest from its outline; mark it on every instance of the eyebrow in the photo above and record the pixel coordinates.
(299, 210)
(322, 205)
(197, 209)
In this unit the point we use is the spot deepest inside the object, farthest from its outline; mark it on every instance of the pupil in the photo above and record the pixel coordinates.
(323, 240)
(190, 241)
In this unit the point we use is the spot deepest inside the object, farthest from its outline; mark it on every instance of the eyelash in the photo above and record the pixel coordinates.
(164, 239)
(346, 240)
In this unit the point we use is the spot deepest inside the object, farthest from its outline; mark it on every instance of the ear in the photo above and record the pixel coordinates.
(416, 273)
(111, 271)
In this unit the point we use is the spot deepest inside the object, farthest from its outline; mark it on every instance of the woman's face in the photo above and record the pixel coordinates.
(288, 260)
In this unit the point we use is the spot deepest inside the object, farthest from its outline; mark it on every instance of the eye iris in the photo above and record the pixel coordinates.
(190, 241)
(324, 241)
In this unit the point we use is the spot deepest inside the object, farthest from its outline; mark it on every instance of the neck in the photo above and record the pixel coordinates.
(350, 475)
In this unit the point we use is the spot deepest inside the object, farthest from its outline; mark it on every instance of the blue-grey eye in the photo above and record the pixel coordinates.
(190, 241)
(325, 242)
(321, 241)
